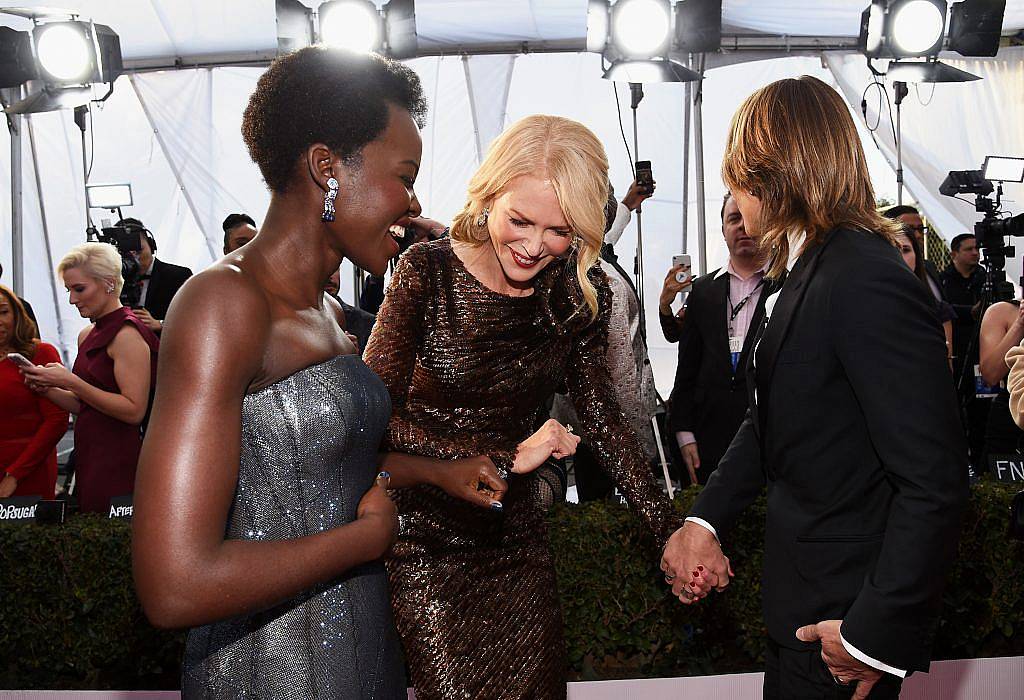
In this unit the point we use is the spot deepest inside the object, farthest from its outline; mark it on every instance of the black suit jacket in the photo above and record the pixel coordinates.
(164, 283)
(856, 433)
(708, 399)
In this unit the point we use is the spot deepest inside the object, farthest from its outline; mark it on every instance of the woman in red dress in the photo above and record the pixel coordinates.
(30, 426)
(110, 385)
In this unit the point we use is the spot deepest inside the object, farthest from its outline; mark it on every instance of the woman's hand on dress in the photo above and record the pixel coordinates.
(53, 374)
(377, 508)
(8, 485)
(552, 440)
(474, 479)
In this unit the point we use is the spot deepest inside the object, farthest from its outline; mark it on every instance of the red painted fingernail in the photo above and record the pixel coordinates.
(700, 568)
(695, 574)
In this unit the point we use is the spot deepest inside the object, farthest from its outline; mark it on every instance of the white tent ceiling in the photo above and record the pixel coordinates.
(185, 29)
(175, 134)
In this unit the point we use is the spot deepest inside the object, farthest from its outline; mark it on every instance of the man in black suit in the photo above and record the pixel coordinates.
(852, 423)
(723, 312)
(358, 323)
(160, 281)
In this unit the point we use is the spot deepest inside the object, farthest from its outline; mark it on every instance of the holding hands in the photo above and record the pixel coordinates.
(552, 440)
(694, 564)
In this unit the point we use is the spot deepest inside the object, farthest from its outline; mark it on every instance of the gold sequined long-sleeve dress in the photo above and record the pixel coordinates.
(469, 371)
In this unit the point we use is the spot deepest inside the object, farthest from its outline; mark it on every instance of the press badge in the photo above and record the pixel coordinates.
(735, 348)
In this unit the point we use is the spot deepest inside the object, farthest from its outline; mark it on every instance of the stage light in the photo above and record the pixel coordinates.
(975, 27)
(927, 72)
(17, 64)
(650, 71)
(1003, 169)
(597, 25)
(294, 25)
(351, 24)
(917, 27)
(400, 29)
(698, 26)
(66, 52)
(641, 28)
(902, 28)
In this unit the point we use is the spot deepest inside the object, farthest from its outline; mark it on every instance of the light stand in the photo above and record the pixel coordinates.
(900, 89)
(636, 92)
(81, 112)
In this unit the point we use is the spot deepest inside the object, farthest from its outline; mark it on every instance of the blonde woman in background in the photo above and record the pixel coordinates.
(109, 385)
(477, 331)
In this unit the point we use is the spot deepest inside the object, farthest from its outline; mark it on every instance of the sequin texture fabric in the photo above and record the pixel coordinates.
(469, 371)
(309, 453)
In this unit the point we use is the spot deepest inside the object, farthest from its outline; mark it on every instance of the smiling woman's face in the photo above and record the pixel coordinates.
(527, 227)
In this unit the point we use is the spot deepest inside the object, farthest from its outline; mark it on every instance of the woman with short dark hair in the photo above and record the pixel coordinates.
(257, 519)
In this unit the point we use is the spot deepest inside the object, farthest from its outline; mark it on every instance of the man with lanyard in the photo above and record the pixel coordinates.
(709, 397)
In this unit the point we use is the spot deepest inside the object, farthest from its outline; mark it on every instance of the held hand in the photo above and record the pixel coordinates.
(147, 319)
(426, 229)
(637, 194)
(843, 667)
(377, 507)
(692, 459)
(693, 563)
(50, 375)
(552, 440)
(8, 486)
(474, 479)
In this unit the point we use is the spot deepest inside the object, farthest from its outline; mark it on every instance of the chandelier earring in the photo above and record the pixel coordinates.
(481, 220)
(329, 196)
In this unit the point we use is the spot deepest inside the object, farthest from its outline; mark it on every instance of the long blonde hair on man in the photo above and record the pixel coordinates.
(562, 151)
(793, 145)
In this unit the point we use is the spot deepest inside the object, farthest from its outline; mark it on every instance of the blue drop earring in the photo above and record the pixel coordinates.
(329, 197)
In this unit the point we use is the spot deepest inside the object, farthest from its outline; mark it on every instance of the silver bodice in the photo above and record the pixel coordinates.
(309, 453)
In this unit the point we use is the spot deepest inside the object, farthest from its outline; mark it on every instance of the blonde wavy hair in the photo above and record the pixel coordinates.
(572, 158)
(99, 260)
(793, 145)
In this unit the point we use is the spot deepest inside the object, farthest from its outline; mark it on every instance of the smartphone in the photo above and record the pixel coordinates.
(20, 360)
(683, 275)
(644, 175)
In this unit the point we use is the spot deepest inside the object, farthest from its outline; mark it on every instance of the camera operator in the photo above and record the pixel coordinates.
(963, 282)
(239, 229)
(159, 281)
(723, 313)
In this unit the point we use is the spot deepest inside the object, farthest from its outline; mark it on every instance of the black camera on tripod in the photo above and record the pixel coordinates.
(991, 232)
(126, 239)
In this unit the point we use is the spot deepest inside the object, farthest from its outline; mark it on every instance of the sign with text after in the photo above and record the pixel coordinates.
(121, 507)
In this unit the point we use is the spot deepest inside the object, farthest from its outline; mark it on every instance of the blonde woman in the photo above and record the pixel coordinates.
(476, 332)
(109, 385)
(853, 425)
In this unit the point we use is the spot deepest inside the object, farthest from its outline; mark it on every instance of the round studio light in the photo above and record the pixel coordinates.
(917, 26)
(641, 28)
(64, 52)
(351, 24)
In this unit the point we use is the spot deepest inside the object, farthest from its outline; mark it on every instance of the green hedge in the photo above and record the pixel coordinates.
(69, 617)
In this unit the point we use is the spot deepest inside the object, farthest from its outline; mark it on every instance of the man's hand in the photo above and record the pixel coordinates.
(425, 229)
(843, 667)
(694, 564)
(637, 194)
(147, 319)
(551, 440)
(671, 288)
(692, 459)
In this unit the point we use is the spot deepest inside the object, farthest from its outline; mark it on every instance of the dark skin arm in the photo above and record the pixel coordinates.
(186, 573)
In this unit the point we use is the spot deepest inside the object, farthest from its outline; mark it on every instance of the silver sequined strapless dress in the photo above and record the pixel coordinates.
(309, 453)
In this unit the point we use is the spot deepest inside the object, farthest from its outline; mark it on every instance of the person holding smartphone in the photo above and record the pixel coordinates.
(723, 311)
(30, 426)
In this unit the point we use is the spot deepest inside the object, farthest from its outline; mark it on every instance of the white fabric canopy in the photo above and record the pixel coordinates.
(175, 135)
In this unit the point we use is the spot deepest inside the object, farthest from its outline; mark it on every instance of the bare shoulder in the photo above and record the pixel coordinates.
(223, 296)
